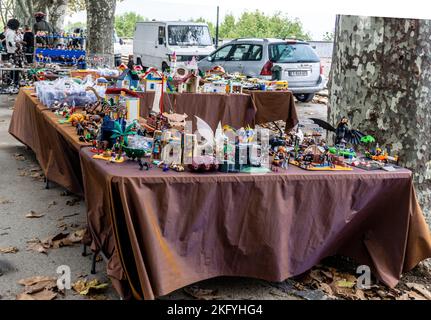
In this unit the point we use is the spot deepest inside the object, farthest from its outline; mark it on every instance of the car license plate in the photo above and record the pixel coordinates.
(298, 73)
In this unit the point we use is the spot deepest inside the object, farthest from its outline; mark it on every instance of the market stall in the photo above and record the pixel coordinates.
(55, 145)
(165, 230)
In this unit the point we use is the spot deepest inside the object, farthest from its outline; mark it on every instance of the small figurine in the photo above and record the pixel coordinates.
(343, 134)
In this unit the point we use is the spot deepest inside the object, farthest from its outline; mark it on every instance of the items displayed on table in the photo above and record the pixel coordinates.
(67, 90)
(64, 49)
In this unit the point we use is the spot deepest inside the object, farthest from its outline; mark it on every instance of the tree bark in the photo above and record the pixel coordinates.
(57, 12)
(381, 80)
(100, 26)
(24, 11)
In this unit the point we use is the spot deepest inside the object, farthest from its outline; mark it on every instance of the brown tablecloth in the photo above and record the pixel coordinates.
(237, 110)
(55, 145)
(165, 230)
(274, 106)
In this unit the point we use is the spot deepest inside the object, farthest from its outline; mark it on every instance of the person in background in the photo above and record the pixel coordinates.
(42, 25)
(3, 39)
(13, 45)
(11, 35)
(28, 41)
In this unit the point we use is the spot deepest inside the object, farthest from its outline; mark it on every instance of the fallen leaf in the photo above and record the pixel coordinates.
(415, 296)
(70, 215)
(404, 296)
(84, 287)
(345, 284)
(41, 285)
(419, 288)
(34, 280)
(326, 288)
(77, 236)
(33, 215)
(19, 157)
(201, 294)
(52, 203)
(72, 202)
(41, 295)
(328, 274)
(36, 246)
(9, 250)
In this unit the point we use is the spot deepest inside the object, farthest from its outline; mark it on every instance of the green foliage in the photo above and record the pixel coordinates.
(328, 36)
(125, 24)
(119, 133)
(258, 24)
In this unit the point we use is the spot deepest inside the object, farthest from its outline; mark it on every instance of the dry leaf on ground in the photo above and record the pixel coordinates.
(36, 245)
(34, 280)
(9, 250)
(34, 215)
(41, 295)
(420, 289)
(84, 287)
(19, 157)
(415, 296)
(72, 202)
(52, 203)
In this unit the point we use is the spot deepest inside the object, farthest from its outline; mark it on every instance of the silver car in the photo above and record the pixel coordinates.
(272, 59)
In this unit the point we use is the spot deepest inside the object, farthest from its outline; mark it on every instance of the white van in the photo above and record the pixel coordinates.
(155, 42)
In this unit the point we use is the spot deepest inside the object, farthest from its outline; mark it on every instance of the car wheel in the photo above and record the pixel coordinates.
(304, 97)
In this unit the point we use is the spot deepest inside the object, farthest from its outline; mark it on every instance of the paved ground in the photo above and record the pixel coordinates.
(23, 191)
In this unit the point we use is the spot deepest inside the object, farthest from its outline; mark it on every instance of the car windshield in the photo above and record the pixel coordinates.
(189, 36)
(292, 53)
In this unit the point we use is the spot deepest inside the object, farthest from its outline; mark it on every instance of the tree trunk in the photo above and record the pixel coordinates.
(381, 80)
(57, 12)
(100, 26)
(24, 12)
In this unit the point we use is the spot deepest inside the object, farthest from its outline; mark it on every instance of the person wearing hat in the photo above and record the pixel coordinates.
(41, 24)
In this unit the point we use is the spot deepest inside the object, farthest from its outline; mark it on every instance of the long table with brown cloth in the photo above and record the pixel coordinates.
(162, 230)
(55, 145)
(237, 110)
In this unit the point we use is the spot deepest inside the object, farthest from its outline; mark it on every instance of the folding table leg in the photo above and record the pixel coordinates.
(84, 251)
(93, 262)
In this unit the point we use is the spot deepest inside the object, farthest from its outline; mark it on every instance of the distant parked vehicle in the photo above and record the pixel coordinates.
(156, 41)
(272, 59)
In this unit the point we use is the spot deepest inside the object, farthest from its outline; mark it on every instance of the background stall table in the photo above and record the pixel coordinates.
(237, 110)
(164, 230)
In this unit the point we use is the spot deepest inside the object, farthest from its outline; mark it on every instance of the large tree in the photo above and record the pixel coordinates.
(381, 80)
(55, 9)
(100, 24)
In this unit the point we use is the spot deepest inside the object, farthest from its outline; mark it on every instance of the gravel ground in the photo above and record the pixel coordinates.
(24, 191)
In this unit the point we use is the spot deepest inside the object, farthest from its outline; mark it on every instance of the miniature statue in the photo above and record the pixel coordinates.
(343, 134)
